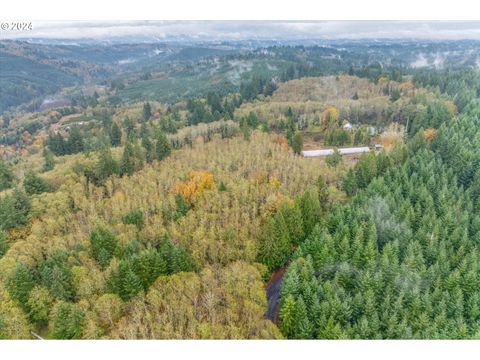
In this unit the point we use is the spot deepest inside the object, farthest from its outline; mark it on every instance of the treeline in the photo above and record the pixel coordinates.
(212, 108)
(61, 146)
(152, 145)
(256, 86)
(463, 85)
(215, 107)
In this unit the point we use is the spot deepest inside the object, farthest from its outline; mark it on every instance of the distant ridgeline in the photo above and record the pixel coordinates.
(172, 72)
(22, 80)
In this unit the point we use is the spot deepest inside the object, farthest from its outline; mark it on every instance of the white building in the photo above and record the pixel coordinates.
(342, 151)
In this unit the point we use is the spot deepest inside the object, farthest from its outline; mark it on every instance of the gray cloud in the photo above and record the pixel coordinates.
(231, 30)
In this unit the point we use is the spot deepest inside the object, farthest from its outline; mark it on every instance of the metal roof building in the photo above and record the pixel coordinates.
(342, 151)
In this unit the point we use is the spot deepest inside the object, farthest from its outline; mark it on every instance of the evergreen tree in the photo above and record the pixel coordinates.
(57, 144)
(94, 99)
(148, 265)
(297, 143)
(68, 321)
(34, 184)
(275, 244)
(14, 210)
(135, 217)
(349, 183)
(182, 206)
(129, 127)
(106, 165)
(21, 283)
(49, 161)
(4, 243)
(6, 176)
(6, 121)
(148, 146)
(56, 275)
(270, 88)
(245, 129)
(21, 206)
(130, 284)
(103, 244)
(75, 143)
(162, 146)
(303, 327)
(384, 162)
(361, 137)
(222, 186)
(323, 196)
(180, 260)
(107, 122)
(293, 221)
(127, 164)
(395, 95)
(214, 101)
(252, 120)
(331, 330)
(147, 111)
(115, 135)
(288, 317)
(311, 210)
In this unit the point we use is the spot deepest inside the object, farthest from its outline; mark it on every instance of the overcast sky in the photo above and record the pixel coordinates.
(229, 30)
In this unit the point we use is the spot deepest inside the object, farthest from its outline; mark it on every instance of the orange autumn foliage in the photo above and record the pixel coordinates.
(429, 134)
(281, 141)
(23, 152)
(198, 182)
(406, 85)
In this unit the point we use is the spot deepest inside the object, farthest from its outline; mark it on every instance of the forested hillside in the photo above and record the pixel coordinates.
(320, 107)
(201, 208)
(162, 203)
(22, 79)
(400, 261)
(175, 71)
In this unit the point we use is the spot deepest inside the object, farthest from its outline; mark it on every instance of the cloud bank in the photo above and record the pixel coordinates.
(243, 30)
